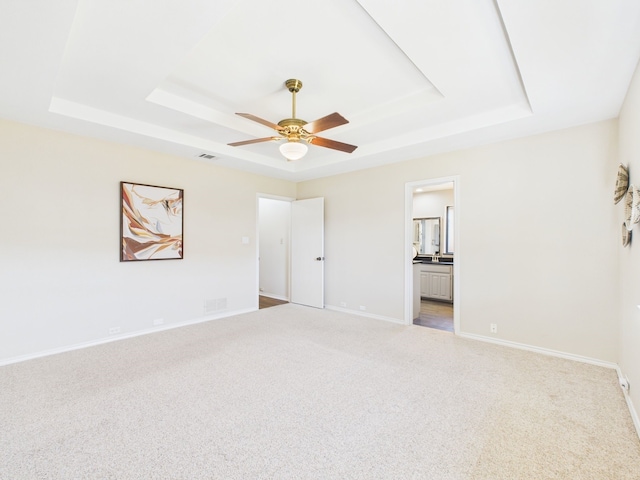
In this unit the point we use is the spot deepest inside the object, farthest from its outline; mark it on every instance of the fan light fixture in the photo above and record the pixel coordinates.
(298, 133)
(293, 150)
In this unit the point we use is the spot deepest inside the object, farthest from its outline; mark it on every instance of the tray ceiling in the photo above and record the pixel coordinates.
(413, 77)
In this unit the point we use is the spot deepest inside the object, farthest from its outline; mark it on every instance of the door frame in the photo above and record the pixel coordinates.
(408, 245)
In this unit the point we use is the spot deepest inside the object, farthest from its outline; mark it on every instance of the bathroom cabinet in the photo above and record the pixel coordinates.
(436, 282)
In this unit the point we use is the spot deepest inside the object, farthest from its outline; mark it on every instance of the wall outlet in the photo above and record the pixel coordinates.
(363, 308)
(494, 328)
(158, 321)
(343, 304)
(114, 330)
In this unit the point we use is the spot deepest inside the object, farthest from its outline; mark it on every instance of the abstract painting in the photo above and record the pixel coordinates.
(151, 222)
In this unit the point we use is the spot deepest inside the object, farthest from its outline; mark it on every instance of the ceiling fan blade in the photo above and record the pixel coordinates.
(325, 123)
(325, 142)
(260, 120)
(255, 140)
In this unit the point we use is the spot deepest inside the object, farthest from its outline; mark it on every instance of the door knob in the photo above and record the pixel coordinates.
(319, 259)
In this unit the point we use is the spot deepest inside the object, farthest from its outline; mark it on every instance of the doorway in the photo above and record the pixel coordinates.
(274, 234)
(290, 251)
(432, 268)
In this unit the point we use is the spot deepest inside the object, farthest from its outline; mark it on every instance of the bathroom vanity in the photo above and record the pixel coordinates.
(432, 281)
(436, 281)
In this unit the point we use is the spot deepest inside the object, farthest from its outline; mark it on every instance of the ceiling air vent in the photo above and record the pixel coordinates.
(208, 156)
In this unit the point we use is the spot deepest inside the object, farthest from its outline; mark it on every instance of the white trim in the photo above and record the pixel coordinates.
(408, 258)
(275, 197)
(124, 336)
(544, 351)
(630, 405)
(408, 252)
(360, 313)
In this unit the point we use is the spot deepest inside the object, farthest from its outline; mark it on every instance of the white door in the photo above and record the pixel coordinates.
(307, 252)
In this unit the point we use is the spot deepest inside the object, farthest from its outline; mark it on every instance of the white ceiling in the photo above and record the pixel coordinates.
(413, 77)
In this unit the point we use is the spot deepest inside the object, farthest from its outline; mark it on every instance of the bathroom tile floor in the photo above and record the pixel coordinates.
(433, 314)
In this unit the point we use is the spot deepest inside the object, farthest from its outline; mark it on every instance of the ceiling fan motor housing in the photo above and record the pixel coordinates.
(292, 129)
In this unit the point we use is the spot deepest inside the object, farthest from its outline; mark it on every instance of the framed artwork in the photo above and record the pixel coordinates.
(151, 222)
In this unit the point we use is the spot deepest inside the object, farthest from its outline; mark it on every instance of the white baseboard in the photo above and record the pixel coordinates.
(544, 351)
(632, 408)
(364, 314)
(115, 338)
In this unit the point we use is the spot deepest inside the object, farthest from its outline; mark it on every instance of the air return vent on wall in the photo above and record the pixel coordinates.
(215, 305)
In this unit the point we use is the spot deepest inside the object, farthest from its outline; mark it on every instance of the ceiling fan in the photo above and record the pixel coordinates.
(298, 132)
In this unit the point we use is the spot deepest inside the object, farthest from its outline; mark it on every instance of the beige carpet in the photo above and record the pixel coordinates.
(295, 393)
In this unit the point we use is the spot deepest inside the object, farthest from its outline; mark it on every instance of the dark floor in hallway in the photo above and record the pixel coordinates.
(266, 302)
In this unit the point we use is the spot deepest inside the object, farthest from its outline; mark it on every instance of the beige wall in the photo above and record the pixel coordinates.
(538, 238)
(61, 280)
(630, 257)
(432, 204)
(539, 247)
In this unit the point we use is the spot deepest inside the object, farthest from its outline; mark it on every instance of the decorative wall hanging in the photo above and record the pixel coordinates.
(631, 202)
(626, 236)
(622, 183)
(151, 222)
(628, 207)
(635, 204)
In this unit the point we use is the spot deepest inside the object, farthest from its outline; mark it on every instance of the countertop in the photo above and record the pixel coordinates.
(429, 262)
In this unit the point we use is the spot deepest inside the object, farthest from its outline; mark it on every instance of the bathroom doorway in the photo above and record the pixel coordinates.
(435, 314)
(433, 253)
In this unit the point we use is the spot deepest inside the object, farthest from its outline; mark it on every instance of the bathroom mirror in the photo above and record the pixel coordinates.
(426, 235)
